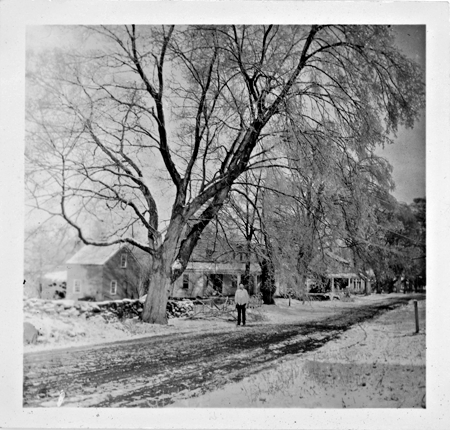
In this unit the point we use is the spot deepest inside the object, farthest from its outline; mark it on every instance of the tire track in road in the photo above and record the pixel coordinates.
(152, 372)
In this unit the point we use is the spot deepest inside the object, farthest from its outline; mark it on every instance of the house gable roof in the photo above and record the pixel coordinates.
(214, 248)
(142, 257)
(94, 255)
(99, 255)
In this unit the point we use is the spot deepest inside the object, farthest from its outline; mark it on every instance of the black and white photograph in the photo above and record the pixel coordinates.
(228, 216)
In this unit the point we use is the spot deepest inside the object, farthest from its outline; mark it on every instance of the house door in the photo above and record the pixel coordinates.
(215, 281)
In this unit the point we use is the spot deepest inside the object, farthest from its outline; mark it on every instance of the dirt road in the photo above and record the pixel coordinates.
(154, 372)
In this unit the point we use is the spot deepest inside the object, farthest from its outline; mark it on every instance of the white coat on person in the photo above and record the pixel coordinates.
(241, 299)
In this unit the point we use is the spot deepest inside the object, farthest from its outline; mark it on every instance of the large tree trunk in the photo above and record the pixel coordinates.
(246, 277)
(171, 258)
(304, 258)
(155, 305)
(268, 286)
(162, 275)
(301, 288)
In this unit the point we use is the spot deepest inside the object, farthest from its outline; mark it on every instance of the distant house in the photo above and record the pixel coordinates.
(216, 266)
(331, 272)
(106, 272)
(116, 272)
(342, 275)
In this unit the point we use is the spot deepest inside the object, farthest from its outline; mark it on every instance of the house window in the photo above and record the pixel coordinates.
(113, 287)
(123, 260)
(185, 281)
(77, 286)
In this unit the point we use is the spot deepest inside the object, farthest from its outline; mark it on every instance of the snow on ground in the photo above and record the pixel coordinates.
(69, 331)
(63, 332)
(377, 364)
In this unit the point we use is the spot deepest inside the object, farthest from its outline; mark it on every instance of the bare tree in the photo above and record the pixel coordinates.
(245, 212)
(142, 107)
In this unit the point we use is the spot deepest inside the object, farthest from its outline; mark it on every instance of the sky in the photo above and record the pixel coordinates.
(407, 154)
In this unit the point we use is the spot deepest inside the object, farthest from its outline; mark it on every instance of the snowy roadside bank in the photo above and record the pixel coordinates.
(74, 329)
(376, 364)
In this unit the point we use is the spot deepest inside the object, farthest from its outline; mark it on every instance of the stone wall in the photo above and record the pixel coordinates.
(68, 320)
(109, 310)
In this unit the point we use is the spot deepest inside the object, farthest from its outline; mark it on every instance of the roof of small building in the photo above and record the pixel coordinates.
(99, 255)
(94, 255)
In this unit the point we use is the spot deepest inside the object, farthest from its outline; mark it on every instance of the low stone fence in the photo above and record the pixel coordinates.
(109, 310)
(64, 308)
(119, 313)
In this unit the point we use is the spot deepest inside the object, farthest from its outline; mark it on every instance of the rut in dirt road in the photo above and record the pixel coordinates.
(155, 371)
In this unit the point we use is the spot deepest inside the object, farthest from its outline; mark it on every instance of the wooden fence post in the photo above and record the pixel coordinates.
(416, 313)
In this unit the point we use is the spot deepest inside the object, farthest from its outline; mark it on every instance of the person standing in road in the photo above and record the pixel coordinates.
(241, 300)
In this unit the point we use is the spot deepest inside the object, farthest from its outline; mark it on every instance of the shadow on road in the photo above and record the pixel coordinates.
(152, 372)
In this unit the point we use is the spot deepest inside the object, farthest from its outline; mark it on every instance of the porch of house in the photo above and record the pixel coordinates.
(352, 282)
(203, 279)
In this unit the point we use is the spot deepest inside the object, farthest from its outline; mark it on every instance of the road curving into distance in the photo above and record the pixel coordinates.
(156, 371)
